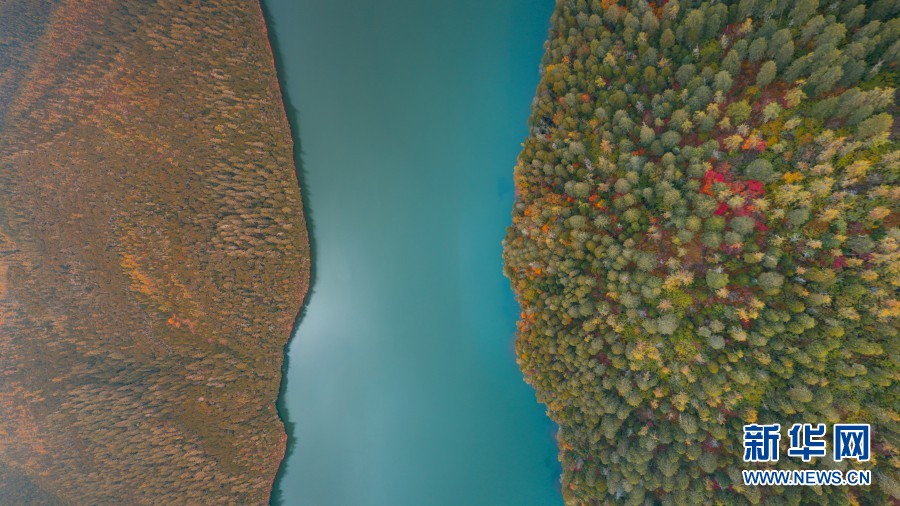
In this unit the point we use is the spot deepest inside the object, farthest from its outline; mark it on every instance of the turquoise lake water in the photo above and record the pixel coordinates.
(402, 386)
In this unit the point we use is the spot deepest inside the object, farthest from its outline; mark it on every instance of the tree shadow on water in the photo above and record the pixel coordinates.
(277, 497)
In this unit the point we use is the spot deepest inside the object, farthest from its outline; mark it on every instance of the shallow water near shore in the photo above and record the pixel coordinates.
(402, 387)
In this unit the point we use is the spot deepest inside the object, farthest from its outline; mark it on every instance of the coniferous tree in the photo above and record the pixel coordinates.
(720, 248)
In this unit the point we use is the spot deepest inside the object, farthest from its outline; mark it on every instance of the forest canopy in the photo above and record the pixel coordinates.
(705, 235)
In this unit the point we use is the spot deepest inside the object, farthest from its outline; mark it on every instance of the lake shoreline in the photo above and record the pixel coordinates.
(291, 118)
(400, 382)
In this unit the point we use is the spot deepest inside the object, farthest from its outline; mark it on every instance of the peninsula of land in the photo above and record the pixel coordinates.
(706, 238)
(153, 253)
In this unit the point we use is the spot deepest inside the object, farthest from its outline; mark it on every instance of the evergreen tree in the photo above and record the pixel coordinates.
(705, 236)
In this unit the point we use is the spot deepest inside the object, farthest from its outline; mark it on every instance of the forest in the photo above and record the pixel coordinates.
(705, 235)
(153, 253)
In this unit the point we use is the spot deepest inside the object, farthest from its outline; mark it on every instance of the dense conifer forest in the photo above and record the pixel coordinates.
(705, 235)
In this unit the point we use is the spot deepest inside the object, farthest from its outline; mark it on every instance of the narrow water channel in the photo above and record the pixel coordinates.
(402, 386)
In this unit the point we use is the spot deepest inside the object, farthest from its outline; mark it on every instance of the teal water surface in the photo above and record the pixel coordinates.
(402, 387)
